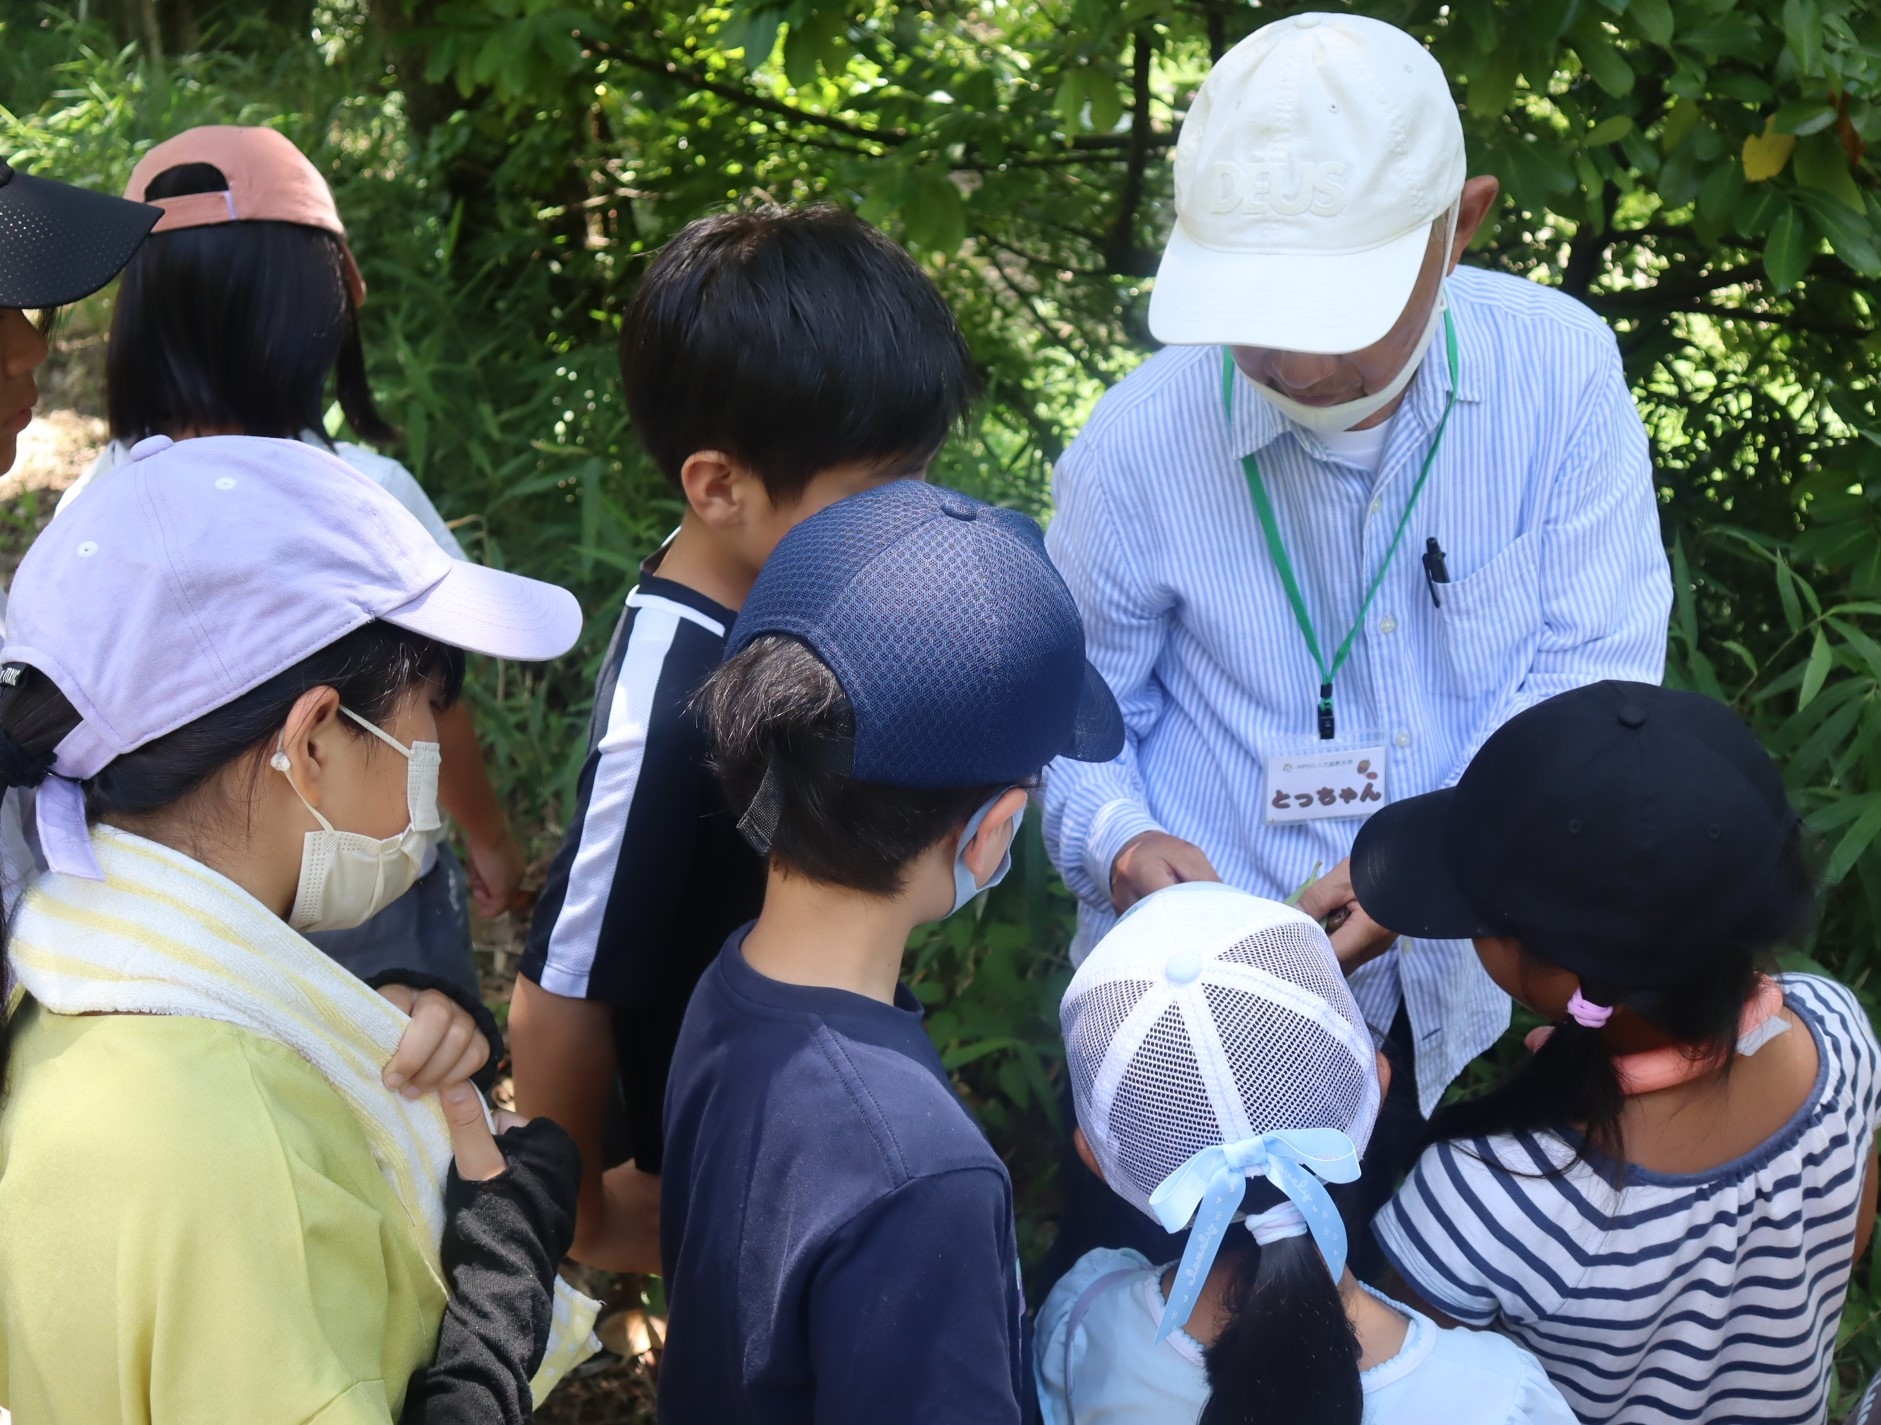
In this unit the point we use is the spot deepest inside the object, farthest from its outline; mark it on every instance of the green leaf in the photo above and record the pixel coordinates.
(1817, 673)
(1857, 839)
(1680, 120)
(1786, 595)
(1722, 191)
(1786, 251)
(1654, 19)
(1608, 130)
(1822, 163)
(1803, 116)
(1492, 83)
(1802, 29)
(1603, 61)
(1850, 234)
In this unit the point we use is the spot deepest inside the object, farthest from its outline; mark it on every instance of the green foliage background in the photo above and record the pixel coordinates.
(1698, 171)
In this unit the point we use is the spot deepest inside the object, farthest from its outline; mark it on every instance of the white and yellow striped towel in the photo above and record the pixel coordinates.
(163, 934)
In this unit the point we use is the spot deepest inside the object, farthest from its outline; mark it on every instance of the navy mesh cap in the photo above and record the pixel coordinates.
(59, 243)
(956, 641)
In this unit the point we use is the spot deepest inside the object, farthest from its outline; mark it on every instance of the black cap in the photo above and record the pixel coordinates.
(59, 243)
(1619, 831)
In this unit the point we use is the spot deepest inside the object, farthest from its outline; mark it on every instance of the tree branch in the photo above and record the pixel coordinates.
(751, 99)
(1602, 303)
(1121, 253)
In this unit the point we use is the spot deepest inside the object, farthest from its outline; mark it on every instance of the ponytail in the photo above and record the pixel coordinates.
(1288, 1351)
(354, 390)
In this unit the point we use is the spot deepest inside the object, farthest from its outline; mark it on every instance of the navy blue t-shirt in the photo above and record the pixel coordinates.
(837, 1233)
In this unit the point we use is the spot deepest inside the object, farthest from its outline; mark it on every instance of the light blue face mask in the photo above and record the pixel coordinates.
(965, 887)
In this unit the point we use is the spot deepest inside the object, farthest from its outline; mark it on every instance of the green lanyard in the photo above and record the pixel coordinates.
(1265, 509)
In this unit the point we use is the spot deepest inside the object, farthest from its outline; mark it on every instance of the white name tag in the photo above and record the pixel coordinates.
(1311, 785)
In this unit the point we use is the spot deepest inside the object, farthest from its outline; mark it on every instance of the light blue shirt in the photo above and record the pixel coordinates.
(1542, 500)
(1099, 1363)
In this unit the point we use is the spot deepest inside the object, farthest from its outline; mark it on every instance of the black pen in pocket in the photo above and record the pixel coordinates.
(1435, 570)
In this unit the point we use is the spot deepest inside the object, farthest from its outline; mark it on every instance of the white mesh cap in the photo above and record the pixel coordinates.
(1206, 1016)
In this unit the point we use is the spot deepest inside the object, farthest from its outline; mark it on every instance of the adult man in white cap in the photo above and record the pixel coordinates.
(1364, 508)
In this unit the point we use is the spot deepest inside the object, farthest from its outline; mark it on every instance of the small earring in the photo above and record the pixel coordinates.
(279, 762)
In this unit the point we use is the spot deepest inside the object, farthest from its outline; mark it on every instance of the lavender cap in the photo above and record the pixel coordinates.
(202, 568)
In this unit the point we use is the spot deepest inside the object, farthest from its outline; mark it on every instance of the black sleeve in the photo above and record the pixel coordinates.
(503, 1239)
(609, 915)
(485, 1077)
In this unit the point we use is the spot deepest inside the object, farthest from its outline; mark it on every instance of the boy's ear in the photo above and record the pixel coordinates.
(719, 488)
(990, 843)
(1085, 1155)
(1384, 1076)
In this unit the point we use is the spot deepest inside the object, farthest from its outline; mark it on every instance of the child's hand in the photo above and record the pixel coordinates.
(442, 1044)
(496, 872)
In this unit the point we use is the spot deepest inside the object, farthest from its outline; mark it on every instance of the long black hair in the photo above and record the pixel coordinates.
(371, 669)
(1572, 1083)
(1288, 1351)
(235, 326)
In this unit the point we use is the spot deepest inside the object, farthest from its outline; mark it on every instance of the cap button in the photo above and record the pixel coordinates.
(150, 445)
(1183, 967)
(1631, 715)
(953, 509)
(1305, 22)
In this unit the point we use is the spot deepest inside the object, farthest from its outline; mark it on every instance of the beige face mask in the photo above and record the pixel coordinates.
(347, 878)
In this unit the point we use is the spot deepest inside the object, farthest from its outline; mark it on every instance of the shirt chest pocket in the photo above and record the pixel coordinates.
(1489, 624)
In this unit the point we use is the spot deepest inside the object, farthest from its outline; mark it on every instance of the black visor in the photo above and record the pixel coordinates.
(59, 243)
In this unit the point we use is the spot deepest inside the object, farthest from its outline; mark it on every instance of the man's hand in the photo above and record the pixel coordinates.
(1356, 937)
(1151, 860)
(496, 872)
(441, 1046)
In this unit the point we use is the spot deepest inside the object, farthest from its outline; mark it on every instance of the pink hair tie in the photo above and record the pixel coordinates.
(1586, 1012)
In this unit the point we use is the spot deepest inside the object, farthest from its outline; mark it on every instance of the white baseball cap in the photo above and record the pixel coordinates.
(1314, 160)
(1209, 1016)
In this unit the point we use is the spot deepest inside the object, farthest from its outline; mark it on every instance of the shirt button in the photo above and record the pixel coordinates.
(1376, 506)
(1403, 739)
(1387, 624)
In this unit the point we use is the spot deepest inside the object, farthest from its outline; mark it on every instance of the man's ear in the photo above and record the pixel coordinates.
(1479, 197)
(990, 843)
(719, 488)
(307, 740)
(1384, 1076)
(1085, 1155)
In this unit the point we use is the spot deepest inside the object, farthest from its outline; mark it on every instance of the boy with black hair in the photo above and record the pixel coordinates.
(775, 360)
(837, 1232)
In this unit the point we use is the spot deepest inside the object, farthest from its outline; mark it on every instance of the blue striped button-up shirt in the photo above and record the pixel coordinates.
(1541, 498)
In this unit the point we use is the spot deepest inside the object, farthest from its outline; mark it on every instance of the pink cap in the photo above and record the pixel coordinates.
(202, 568)
(270, 180)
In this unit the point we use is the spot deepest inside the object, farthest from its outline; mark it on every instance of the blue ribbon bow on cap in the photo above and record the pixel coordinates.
(1295, 1160)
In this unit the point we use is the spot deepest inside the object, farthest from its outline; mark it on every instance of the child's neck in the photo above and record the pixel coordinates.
(1380, 1330)
(698, 558)
(810, 933)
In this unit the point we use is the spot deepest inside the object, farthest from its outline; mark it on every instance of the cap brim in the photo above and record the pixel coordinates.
(1328, 303)
(1097, 732)
(1402, 874)
(59, 243)
(494, 612)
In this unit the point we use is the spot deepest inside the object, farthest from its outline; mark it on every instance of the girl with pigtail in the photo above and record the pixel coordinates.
(1225, 1083)
(1665, 1202)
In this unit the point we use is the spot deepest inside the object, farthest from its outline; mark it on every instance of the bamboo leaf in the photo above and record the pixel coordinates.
(1817, 673)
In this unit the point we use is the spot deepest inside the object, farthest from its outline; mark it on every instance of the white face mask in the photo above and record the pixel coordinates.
(347, 878)
(1330, 420)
